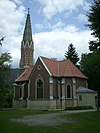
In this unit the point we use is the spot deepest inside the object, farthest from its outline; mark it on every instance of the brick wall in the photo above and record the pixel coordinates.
(39, 71)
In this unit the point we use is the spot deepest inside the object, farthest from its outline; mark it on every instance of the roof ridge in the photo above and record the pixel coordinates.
(54, 60)
(48, 58)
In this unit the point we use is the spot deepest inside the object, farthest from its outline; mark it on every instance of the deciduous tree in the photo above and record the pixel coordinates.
(94, 24)
(90, 65)
(5, 91)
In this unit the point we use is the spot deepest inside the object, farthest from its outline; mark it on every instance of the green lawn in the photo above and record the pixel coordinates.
(85, 123)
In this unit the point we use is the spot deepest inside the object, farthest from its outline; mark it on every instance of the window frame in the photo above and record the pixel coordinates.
(20, 93)
(39, 77)
(39, 89)
(80, 97)
(68, 97)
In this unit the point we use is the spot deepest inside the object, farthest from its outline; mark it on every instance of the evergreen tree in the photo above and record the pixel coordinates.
(94, 24)
(71, 54)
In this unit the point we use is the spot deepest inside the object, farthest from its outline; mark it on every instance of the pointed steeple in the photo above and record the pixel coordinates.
(27, 36)
(27, 45)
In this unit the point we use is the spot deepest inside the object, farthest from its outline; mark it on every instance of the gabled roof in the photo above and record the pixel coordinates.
(25, 75)
(84, 90)
(64, 68)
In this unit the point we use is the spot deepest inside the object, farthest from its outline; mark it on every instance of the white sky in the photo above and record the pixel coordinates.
(55, 24)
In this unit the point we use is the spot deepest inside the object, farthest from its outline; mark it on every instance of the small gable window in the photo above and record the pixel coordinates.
(39, 67)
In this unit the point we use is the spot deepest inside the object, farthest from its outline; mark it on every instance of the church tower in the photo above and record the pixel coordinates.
(27, 45)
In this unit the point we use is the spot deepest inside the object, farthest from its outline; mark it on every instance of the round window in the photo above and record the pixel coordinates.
(39, 67)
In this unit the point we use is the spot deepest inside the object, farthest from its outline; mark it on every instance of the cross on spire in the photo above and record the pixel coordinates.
(28, 10)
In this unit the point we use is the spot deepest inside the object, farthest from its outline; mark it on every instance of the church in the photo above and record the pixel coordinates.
(48, 83)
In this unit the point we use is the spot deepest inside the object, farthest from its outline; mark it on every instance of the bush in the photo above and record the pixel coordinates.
(79, 108)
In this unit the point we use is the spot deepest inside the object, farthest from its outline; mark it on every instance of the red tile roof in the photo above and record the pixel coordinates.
(25, 75)
(64, 68)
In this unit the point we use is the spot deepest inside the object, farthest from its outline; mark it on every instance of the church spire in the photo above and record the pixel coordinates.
(27, 44)
(27, 36)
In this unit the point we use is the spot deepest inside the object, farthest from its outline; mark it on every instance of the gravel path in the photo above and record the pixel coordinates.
(43, 119)
(47, 119)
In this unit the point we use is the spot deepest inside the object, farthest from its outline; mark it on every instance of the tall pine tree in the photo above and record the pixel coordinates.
(71, 54)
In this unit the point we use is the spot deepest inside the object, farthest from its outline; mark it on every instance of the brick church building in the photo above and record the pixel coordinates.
(48, 83)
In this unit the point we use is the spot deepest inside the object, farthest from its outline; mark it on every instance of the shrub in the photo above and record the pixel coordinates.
(79, 108)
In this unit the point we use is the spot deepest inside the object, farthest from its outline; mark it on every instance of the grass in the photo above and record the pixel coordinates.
(85, 123)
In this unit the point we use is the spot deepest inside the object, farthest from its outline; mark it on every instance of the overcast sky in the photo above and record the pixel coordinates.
(55, 24)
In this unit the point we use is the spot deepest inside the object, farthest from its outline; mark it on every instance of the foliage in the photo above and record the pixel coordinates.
(94, 24)
(90, 65)
(79, 108)
(5, 91)
(71, 54)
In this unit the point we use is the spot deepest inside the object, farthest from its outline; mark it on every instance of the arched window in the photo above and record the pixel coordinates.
(68, 91)
(20, 92)
(39, 88)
